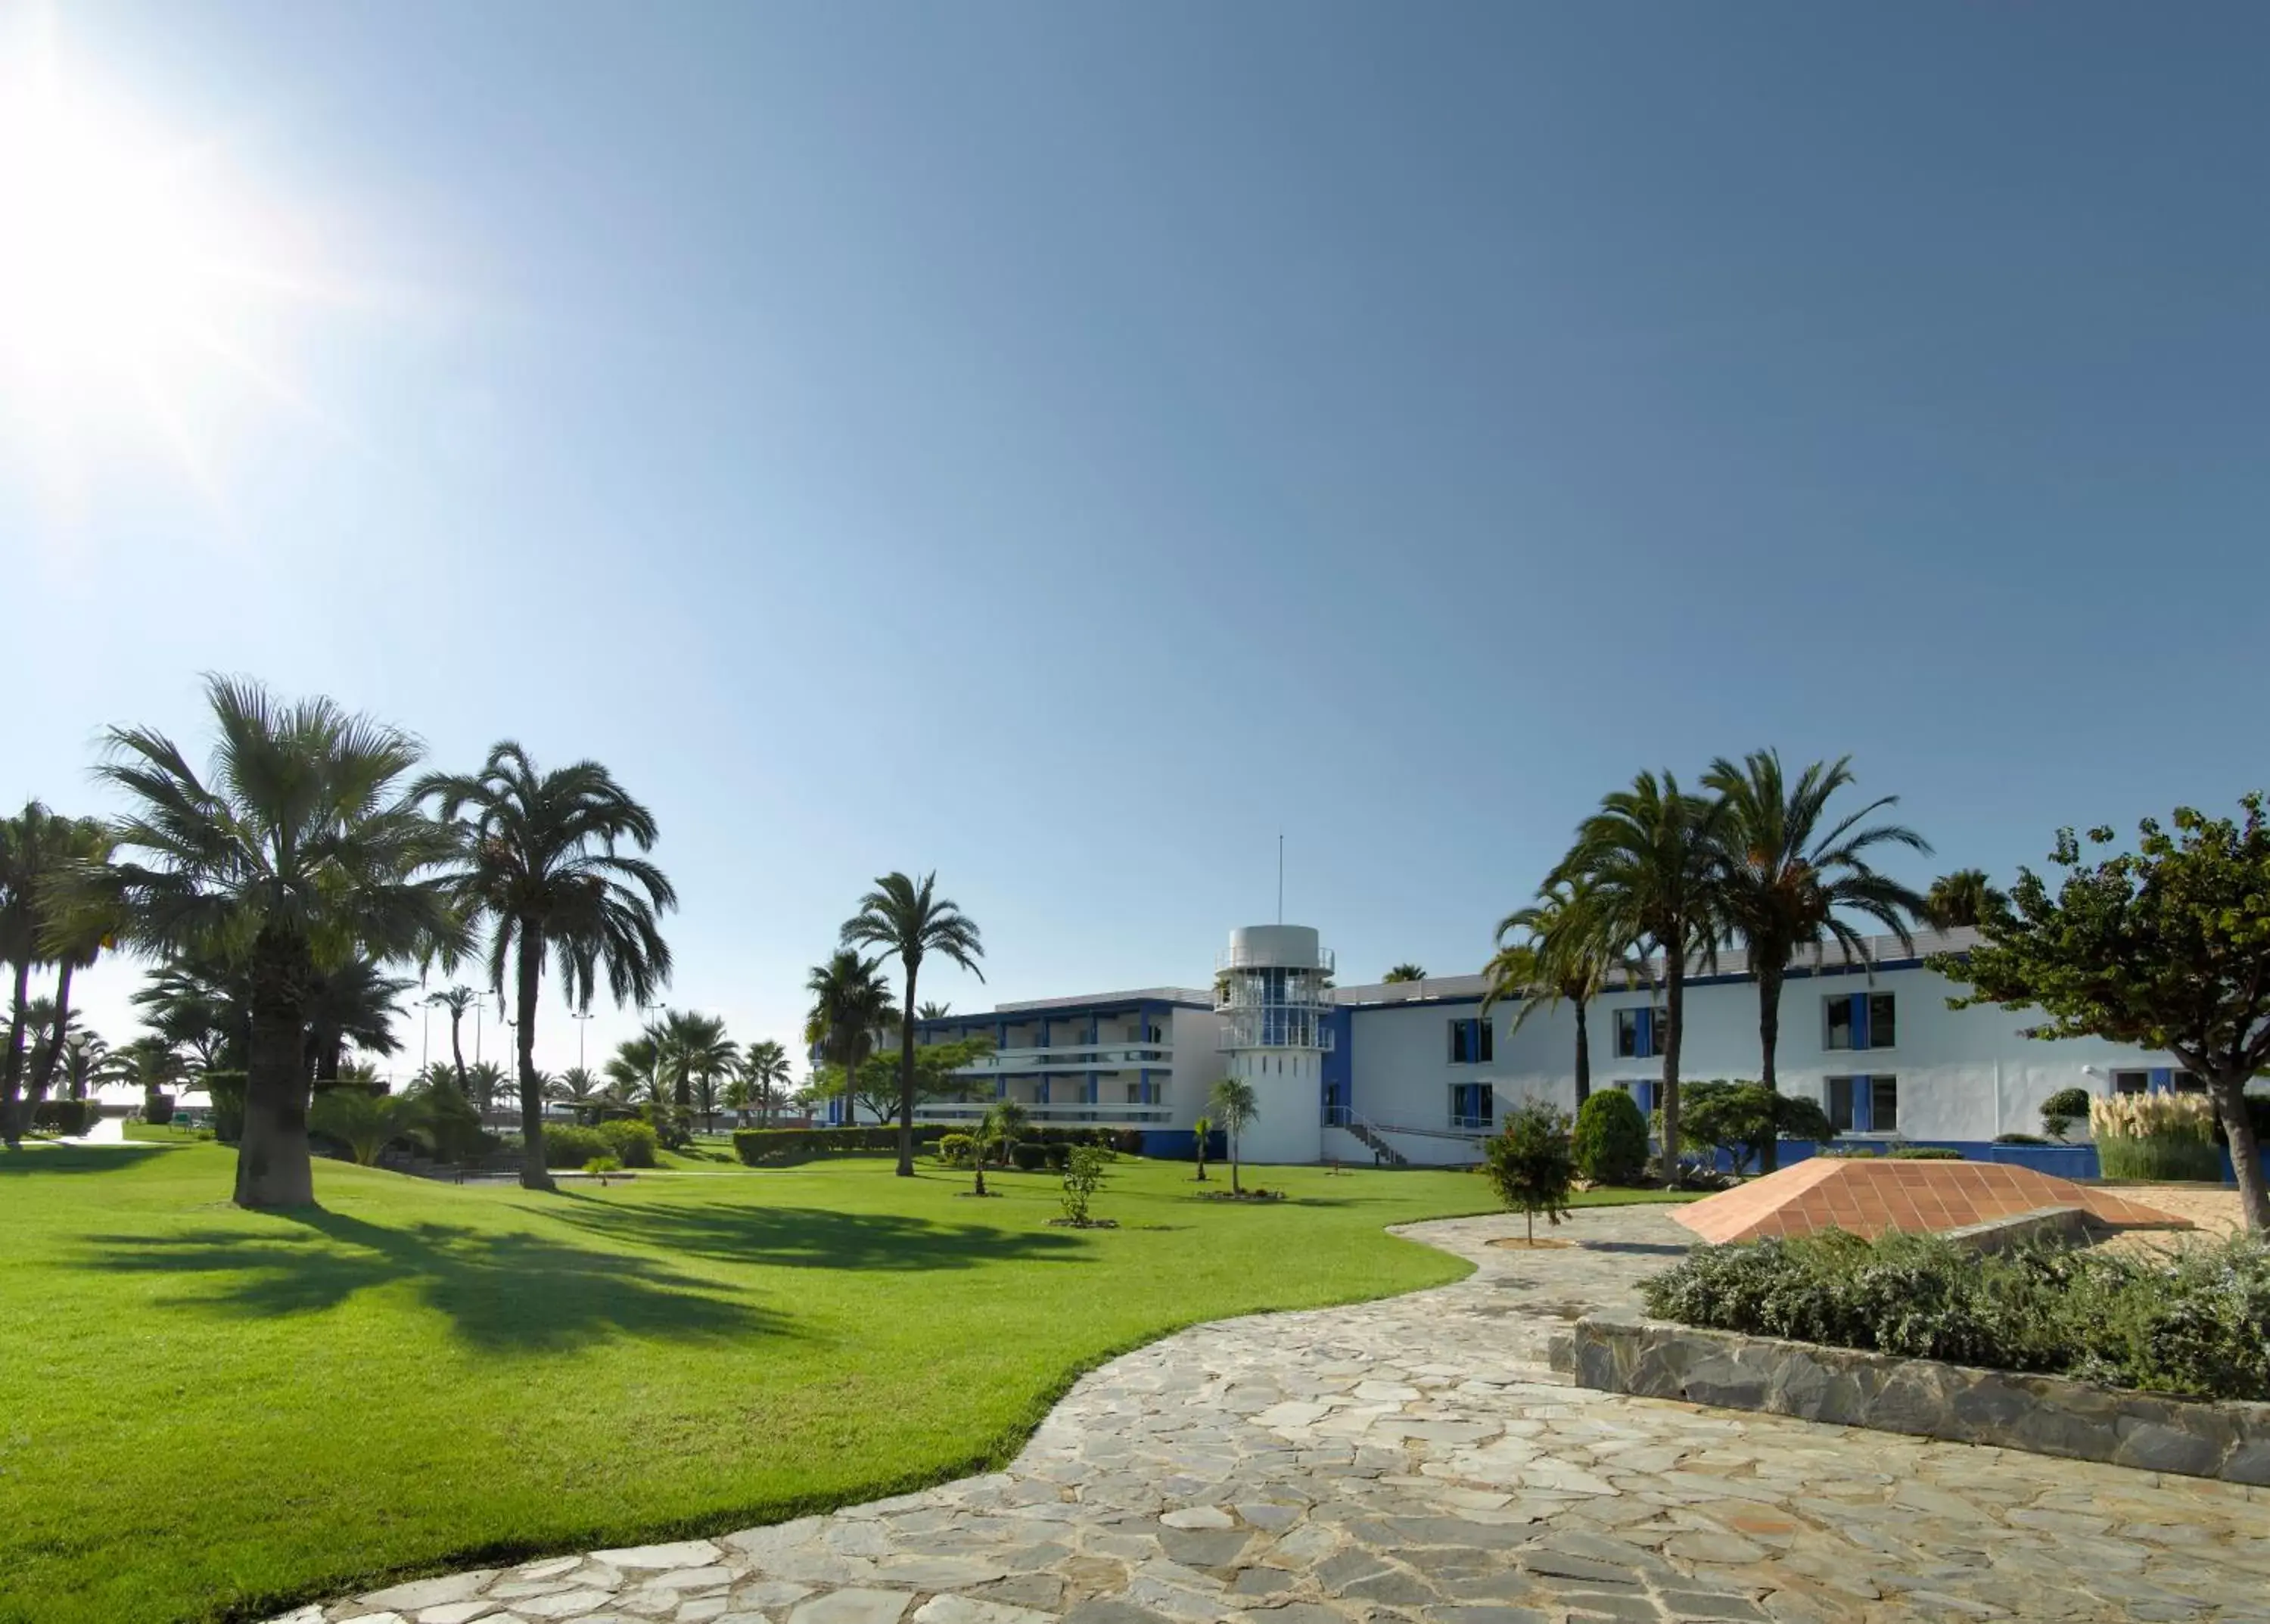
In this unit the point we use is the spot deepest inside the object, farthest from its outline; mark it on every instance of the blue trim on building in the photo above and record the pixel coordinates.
(1859, 1021)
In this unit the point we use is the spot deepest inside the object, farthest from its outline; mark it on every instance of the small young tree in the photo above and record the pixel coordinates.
(1235, 1107)
(2167, 947)
(1083, 1176)
(1531, 1163)
(1202, 1130)
(1004, 1125)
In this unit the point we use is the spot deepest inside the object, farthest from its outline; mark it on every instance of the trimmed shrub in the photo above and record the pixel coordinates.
(761, 1145)
(2062, 1110)
(2194, 1324)
(1611, 1138)
(956, 1149)
(71, 1117)
(225, 1089)
(157, 1109)
(1029, 1158)
(569, 1146)
(632, 1142)
(1922, 1153)
(2020, 1138)
(1129, 1141)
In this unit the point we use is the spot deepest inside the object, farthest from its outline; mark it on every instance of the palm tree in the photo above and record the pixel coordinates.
(485, 1080)
(203, 1004)
(33, 844)
(294, 856)
(932, 1010)
(636, 1070)
(699, 1056)
(85, 1054)
(1234, 1106)
(1966, 897)
(1405, 972)
(150, 1063)
(1787, 873)
(577, 1089)
(1004, 1124)
(850, 1003)
(1565, 951)
(1201, 1131)
(542, 866)
(765, 1068)
(72, 936)
(909, 919)
(1650, 856)
(457, 1000)
(367, 1123)
(353, 1004)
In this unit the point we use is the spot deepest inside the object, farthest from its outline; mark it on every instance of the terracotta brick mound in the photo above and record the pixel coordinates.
(1869, 1197)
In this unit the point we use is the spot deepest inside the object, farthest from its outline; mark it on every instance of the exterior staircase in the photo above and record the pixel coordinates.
(1389, 1156)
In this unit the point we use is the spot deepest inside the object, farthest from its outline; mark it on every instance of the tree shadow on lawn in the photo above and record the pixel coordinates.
(814, 1237)
(49, 1158)
(508, 1290)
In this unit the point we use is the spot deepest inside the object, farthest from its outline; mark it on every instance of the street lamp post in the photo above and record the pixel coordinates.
(580, 1016)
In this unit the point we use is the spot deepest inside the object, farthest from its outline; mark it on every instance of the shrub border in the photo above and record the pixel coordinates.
(2226, 1439)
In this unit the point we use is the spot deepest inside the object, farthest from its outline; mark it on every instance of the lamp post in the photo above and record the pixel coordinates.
(580, 1016)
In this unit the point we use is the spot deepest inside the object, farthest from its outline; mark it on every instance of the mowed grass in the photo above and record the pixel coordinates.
(206, 1413)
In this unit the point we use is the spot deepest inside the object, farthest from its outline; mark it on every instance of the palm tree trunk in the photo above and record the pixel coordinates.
(533, 1173)
(907, 1074)
(458, 1049)
(1236, 1189)
(12, 1070)
(43, 1071)
(1769, 1043)
(1583, 1054)
(272, 1165)
(1675, 1004)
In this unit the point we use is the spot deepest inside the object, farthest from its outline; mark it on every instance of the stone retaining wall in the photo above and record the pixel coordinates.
(2046, 1414)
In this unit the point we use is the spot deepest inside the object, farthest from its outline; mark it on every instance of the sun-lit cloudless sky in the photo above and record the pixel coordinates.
(1065, 445)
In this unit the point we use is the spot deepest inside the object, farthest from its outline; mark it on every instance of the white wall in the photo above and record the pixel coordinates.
(1964, 1074)
(1198, 1066)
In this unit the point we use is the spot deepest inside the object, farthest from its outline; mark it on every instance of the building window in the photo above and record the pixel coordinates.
(2131, 1082)
(1864, 1104)
(2159, 1079)
(1640, 1032)
(1642, 1090)
(1860, 1020)
(1472, 1105)
(1473, 1042)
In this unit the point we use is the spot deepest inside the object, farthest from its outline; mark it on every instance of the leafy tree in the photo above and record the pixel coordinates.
(875, 1085)
(544, 865)
(1405, 972)
(1083, 1176)
(366, 1123)
(1567, 950)
(764, 1072)
(2062, 1110)
(1747, 1120)
(909, 917)
(1236, 1107)
(1201, 1131)
(2166, 947)
(457, 1000)
(1790, 874)
(1966, 897)
(1531, 1165)
(850, 1004)
(295, 855)
(1651, 856)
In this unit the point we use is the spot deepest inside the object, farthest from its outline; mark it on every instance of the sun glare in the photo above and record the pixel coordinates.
(141, 302)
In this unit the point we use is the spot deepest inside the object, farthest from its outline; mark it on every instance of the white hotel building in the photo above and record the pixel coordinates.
(1416, 1072)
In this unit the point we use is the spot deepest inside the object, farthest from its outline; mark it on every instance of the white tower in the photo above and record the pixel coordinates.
(1273, 990)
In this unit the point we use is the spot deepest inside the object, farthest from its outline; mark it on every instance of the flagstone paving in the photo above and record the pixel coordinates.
(1416, 1460)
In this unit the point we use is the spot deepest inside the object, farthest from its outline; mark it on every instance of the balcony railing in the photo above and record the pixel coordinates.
(1102, 1113)
(1085, 1057)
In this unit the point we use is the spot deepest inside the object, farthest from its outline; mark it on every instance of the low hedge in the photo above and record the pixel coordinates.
(1922, 1153)
(634, 1144)
(2196, 1323)
(65, 1116)
(759, 1145)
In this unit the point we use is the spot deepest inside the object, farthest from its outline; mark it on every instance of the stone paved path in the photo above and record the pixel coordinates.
(1415, 1460)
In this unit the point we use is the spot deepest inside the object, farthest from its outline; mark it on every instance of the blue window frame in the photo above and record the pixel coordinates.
(1472, 1105)
(1473, 1042)
(1640, 1032)
(1860, 1020)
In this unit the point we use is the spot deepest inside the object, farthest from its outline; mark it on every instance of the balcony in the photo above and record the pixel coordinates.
(1075, 1113)
(1071, 1057)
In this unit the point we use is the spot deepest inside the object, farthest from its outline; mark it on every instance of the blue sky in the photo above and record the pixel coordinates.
(1063, 445)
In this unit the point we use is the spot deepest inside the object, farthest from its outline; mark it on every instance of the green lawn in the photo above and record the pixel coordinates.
(164, 1133)
(206, 1413)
